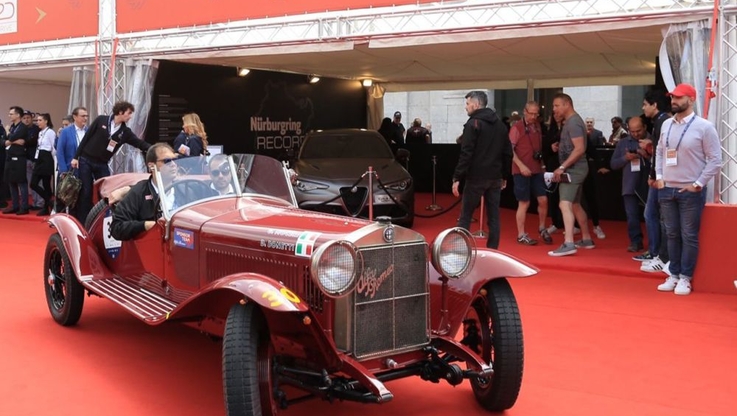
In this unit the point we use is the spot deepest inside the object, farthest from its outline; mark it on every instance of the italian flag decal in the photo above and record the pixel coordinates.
(305, 244)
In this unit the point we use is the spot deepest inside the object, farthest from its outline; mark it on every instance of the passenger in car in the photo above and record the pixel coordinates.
(222, 182)
(139, 208)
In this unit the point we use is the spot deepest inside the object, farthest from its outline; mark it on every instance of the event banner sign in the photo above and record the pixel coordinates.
(141, 15)
(24, 21)
(265, 112)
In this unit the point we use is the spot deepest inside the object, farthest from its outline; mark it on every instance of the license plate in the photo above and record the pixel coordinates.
(382, 199)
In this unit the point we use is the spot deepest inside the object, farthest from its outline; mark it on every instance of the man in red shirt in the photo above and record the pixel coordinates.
(528, 168)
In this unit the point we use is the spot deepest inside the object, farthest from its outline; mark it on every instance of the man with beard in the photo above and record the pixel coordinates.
(688, 157)
(222, 180)
(571, 154)
(139, 208)
(485, 162)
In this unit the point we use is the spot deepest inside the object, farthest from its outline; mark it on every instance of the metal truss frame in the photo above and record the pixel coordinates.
(377, 23)
(726, 121)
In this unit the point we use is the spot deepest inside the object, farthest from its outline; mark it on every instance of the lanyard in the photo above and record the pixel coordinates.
(14, 127)
(667, 137)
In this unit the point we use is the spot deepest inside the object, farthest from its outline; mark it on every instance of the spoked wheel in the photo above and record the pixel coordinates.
(495, 319)
(64, 294)
(248, 382)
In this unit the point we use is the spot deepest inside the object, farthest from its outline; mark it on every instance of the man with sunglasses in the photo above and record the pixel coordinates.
(222, 181)
(138, 208)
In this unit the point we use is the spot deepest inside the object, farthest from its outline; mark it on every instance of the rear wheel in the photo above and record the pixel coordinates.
(64, 293)
(501, 344)
(247, 363)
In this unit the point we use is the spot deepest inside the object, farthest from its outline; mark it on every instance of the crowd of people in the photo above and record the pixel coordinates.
(33, 155)
(667, 156)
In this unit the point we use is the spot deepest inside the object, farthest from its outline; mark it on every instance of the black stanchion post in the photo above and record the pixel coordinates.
(434, 206)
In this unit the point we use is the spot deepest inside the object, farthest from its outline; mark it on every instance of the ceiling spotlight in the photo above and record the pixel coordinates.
(242, 72)
(368, 82)
(313, 79)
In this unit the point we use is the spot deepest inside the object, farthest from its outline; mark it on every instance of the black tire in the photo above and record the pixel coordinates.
(96, 210)
(64, 293)
(502, 346)
(247, 363)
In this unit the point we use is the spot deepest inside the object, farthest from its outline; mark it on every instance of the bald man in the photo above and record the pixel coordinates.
(634, 162)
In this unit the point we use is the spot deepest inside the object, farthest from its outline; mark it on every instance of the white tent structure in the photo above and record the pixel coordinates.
(441, 45)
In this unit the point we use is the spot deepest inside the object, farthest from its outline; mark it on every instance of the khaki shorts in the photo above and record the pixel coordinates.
(571, 192)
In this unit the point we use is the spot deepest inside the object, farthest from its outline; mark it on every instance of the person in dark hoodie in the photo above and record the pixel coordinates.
(485, 163)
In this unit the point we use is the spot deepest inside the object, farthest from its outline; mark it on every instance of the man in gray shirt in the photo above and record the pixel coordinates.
(571, 154)
(688, 157)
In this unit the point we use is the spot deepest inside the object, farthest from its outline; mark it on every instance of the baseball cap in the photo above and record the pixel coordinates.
(397, 114)
(683, 90)
(28, 113)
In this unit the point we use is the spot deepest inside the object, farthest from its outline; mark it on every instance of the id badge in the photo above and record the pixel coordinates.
(671, 157)
(635, 165)
(111, 145)
(36, 155)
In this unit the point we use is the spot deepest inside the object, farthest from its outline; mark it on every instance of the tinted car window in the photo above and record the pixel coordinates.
(345, 146)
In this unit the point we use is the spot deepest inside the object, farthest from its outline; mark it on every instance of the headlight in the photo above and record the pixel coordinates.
(453, 253)
(334, 267)
(400, 185)
(306, 186)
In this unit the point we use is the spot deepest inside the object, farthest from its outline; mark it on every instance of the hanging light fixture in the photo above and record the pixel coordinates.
(242, 72)
(313, 79)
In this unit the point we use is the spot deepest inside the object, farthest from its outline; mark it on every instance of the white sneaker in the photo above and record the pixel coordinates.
(599, 233)
(669, 285)
(683, 287)
(666, 268)
(652, 266)
(552, 229)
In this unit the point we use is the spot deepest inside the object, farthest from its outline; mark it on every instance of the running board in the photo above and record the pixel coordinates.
(146, 305)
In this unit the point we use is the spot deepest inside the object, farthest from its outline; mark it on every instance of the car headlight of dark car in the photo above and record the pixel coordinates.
(334, 267)
(400, 185)
(306, 186)
(453, 253)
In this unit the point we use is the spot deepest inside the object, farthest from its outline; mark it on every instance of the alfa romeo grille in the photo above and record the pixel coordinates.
(391, 300)
(353, 200)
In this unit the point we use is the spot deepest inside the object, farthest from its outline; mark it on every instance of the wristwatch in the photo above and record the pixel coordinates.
(562, 167)
(697, 186)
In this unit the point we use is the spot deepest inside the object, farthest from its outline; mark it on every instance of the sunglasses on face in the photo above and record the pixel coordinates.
(167, 160)
(224, 171)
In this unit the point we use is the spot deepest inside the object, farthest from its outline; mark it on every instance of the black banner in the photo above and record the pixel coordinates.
(263, 112)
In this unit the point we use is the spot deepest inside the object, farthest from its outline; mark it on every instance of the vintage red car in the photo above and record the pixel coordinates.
(307, 304)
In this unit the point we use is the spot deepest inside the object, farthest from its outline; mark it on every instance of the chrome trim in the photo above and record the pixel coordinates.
(470, 242)
(315, 261)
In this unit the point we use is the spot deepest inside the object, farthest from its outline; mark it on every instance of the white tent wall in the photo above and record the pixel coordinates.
(36, 96)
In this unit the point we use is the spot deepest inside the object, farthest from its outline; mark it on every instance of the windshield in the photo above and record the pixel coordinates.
(351, 145)
(187, 180)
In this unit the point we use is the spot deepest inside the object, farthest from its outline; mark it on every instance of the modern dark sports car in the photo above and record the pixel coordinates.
(308, 305)
(332, 176)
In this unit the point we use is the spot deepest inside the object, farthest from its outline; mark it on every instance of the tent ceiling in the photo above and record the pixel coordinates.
(624, 56)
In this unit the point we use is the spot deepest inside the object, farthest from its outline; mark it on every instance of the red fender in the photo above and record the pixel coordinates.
(288, 316)
(490, 264)
(82, 253)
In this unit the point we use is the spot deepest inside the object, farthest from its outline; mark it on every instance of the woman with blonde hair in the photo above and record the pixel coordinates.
(193, 139)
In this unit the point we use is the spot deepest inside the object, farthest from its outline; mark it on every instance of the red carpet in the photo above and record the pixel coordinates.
(596, 344)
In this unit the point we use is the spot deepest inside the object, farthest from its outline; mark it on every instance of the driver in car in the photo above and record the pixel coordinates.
(139, 208)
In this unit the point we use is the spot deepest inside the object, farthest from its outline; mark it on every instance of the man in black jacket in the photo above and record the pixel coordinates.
(485, 162)
(103, 138)
(15, 163)
(139, 208)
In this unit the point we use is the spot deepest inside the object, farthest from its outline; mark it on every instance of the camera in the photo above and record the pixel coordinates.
(537, 155)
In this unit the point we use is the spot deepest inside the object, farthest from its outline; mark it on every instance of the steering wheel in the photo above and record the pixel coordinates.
(189, 190)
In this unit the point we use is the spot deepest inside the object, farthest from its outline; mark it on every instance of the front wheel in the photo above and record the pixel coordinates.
(501, 345)
(64, 293)
(247, 363)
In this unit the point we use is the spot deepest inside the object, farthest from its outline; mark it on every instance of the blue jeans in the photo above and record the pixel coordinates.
(652, 222)
(89, 172)
(19, 201)
(632, 210)
(491, 190)
(681, 213)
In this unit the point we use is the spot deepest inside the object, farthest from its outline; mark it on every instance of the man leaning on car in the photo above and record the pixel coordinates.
(139, 208)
